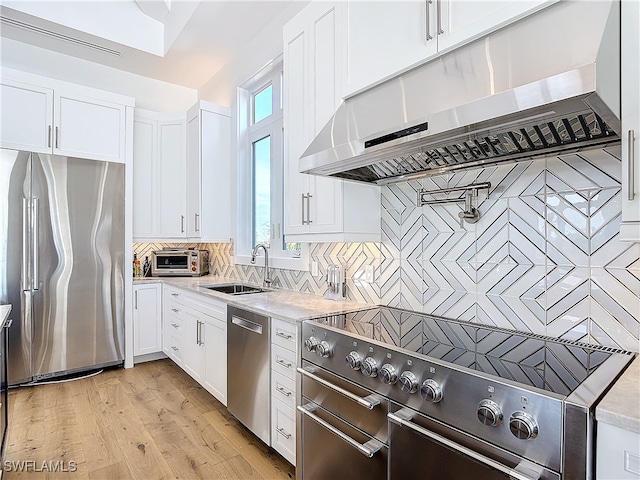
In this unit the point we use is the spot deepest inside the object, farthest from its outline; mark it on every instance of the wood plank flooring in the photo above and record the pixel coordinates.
(149, 422)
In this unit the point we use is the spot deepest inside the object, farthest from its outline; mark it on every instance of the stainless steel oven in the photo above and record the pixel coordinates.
(343, 428)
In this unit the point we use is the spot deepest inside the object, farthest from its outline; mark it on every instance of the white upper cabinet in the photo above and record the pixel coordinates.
(159, 175)
(382, 39)
(60, 118)
(630, 227)
(315, 207)
(209, 172)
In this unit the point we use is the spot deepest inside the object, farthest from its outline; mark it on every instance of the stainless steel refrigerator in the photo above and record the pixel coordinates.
(61, 263)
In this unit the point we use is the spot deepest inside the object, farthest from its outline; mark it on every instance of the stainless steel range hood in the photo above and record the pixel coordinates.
(547, 84)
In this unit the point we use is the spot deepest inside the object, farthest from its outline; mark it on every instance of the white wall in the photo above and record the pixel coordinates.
(149, 93)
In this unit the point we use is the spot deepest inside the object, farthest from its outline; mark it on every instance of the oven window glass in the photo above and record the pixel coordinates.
(172, 261)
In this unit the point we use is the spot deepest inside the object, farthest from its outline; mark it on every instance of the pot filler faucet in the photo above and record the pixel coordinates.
(266, 282)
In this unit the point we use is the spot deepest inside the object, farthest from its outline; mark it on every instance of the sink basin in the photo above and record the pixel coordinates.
(235, 289)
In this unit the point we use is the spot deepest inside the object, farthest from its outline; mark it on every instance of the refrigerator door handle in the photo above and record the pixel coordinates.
(34, 238)
(26, 234)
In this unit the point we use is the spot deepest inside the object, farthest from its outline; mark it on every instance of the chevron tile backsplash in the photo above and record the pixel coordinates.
(544, 256)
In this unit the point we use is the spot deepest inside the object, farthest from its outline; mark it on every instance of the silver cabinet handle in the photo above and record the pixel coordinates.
(197, 222)
(439, 13)
(631, 166)
(309, 197)
(175, 310)
(56, 137)
(427, 4)
(304, 222)
(175, 294)
(286, 336)
(175, 325)
(368, 402)
(283, 363)
(35, 218)
(395, 418)
(49, 138)
(284, 391)
(175, 349)
(368, 449)
(135, 301)
(181, 223)
(26, 233)
(283, 433)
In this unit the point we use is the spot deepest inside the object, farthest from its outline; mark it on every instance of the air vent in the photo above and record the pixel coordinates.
(490, 147)
(59, 36)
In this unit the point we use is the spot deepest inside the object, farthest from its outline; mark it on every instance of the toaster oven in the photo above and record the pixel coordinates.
(179, 262)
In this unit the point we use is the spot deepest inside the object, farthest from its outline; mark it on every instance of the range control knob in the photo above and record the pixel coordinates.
(323, 349)
(408, 382)
(354, 360)
(431, 391)
(489, 413)
(369, 367)
(388, 374)
(523, 425)
(311, 343)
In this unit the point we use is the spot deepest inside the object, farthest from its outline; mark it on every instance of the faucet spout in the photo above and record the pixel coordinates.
(266, 281)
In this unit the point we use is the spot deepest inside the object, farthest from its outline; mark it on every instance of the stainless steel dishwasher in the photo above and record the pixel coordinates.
(248, 371)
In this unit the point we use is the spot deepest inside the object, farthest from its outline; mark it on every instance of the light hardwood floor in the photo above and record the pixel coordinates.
(149, 422)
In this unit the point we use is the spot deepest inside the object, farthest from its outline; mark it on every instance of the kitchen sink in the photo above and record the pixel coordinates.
(235, 289)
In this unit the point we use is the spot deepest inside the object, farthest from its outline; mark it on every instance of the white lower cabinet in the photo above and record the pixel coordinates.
(617, 453)
(147, 319)
(284, 341)
(195, 337)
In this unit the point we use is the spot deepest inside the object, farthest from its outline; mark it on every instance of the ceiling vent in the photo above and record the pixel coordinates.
(59, 36)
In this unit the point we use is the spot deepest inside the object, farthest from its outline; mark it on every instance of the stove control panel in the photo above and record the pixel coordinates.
(408, 382)
(310, 344)
(354, 360)
(323, 349)
(523, 426)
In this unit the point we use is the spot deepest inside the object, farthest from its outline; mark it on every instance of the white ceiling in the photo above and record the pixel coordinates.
(199, 37)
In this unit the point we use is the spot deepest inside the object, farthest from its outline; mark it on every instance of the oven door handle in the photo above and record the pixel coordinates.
(513, 474)
(368, 449)
(368, 402)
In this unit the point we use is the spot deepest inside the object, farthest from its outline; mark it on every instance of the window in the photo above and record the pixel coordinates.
(261, 172)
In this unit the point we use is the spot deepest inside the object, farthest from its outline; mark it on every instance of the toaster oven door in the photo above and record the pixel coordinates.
(167, 263)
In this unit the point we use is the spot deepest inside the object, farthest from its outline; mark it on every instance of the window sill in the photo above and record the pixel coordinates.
(285, 263)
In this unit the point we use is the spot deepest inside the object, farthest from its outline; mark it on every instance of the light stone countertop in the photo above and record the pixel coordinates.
(620, 407)
(284, 304)
(5, 310)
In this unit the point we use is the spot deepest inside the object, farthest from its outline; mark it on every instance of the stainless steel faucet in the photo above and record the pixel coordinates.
(266, 281)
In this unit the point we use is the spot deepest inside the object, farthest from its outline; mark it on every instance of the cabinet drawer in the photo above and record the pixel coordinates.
(283, 361)
(284, 334)
(174, 325)
(283, 430)
(284, 389)
(173, 347)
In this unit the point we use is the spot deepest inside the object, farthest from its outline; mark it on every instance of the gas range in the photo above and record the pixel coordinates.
(529, 395)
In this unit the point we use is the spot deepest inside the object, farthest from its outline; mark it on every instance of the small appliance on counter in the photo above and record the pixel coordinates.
(336, 283)
(179, 262)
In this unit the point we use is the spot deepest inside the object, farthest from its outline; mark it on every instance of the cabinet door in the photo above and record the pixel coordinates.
(215, 145)
(215, 342)
(630, 227)
(147, 319)
(26, 117)
(172, 179)
(88, 128)
(381, 39)
(194, 350)
(193, 176)
(144, 153)
(463, 21)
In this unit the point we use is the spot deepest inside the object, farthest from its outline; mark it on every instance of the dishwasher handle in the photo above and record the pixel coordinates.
(246, 324)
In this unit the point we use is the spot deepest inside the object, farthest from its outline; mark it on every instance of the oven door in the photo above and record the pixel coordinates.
(443, 453)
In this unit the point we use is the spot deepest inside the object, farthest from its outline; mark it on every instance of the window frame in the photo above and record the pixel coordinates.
(248, 133)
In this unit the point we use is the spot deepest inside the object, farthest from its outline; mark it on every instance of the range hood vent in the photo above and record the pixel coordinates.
(486, 148)
(499, 99)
